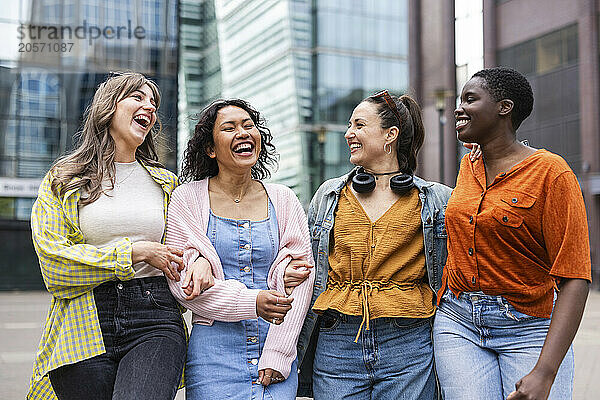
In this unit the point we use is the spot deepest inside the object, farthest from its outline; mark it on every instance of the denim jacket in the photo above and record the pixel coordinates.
(434, 197)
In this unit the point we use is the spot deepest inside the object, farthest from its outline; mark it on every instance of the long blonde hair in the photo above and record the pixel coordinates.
(94, 157)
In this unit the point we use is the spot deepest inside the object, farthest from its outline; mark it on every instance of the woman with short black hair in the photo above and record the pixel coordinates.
(518, 270)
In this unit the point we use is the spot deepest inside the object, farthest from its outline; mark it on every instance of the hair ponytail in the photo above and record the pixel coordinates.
(418, 129)
(411, 135)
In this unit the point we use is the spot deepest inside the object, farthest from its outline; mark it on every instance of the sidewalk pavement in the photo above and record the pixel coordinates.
(22, 315)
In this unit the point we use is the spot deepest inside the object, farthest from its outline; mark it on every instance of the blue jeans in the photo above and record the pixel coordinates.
(145, 344)
(222, 363)
(392, 360)
(484, 346)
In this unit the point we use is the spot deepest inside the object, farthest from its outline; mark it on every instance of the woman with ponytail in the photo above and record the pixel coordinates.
(379, 245)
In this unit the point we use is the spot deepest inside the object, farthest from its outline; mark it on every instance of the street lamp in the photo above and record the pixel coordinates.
(440, 106)
(321, 138)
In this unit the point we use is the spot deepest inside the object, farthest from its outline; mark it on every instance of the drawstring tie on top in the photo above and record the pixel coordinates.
(365, 290)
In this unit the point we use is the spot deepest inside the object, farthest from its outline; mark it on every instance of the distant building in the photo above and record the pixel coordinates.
(304, 65)
(199, 63)
(56, 53)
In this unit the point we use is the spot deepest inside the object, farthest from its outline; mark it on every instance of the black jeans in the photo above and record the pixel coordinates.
(144, 337)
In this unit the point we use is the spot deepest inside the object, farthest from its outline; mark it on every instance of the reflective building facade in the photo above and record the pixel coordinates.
(305, 65)
(55, 55)
(199, 63)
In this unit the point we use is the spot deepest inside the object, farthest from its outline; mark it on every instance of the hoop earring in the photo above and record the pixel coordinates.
(385, 148)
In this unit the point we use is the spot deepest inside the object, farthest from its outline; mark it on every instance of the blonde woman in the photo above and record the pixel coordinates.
(113, 329)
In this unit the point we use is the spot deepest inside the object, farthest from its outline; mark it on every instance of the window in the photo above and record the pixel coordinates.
(550, 63)
(543, 54)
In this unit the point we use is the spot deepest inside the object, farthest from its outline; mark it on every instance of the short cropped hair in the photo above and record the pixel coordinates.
(507, 83)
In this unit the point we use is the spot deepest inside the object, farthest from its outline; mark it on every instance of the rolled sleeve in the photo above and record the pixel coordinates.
(565, 229)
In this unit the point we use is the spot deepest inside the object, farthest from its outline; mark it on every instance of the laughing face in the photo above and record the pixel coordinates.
(237, 139)
(365, 136)
(134, 116)
(477, 114)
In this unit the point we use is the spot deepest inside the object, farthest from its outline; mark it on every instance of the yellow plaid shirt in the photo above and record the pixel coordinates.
(71, 270)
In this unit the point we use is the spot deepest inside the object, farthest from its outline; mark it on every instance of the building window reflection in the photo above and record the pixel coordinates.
(550, 62)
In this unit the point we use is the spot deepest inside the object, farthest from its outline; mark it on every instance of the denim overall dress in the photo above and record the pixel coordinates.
(222, 360)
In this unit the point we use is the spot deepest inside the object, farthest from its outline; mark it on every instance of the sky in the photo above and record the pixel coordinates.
(468, 39)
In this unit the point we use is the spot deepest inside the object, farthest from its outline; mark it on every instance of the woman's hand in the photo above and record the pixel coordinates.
(165, 258)
(272, 306)
(475, 151)
(267, 376)
(295, 273)
(198, 278)
(534, 386)
(566, 317)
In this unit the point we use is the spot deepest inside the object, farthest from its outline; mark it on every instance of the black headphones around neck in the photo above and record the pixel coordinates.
(364, 182)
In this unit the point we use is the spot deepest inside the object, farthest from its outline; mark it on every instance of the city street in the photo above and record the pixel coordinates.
(22, 315)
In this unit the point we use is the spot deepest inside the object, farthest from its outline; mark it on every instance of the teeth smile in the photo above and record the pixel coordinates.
(355, 146)
(242, 147)
(142, 119)
(461, 123)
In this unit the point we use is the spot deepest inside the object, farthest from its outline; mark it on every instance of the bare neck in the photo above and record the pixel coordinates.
(124, 155)
(235, 185)
(501, 156)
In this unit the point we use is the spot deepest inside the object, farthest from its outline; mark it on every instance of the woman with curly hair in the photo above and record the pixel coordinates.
(243, 232)
(113, 331)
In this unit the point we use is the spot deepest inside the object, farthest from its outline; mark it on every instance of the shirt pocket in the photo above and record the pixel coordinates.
(315, 232)
(507, 217)
(519, 200)
(514, 208)
(439, 227)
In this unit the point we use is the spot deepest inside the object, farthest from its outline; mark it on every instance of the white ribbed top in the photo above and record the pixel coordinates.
(134, 208)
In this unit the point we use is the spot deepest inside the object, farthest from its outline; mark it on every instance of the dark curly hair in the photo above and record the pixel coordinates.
(198, 165)
(412, 133)
(507, 83)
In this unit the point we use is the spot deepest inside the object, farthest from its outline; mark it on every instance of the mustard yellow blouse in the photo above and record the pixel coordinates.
(377, 269)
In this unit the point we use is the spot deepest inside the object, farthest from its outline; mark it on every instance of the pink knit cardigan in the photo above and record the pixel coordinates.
(230, 300)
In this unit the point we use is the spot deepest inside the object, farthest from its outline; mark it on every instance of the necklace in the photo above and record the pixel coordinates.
(376, 174)
(118, 183)
(237, 199)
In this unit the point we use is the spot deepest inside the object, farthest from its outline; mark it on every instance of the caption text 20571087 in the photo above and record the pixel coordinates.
(43, 47)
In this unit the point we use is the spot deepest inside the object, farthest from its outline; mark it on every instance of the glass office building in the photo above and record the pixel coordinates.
(55, 54)
(304, 65)
(551, 64)
(199, 63)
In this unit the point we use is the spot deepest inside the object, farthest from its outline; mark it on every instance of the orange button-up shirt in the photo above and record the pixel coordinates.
(516, 236)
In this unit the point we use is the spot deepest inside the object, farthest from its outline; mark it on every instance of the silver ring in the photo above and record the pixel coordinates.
(275, 320)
